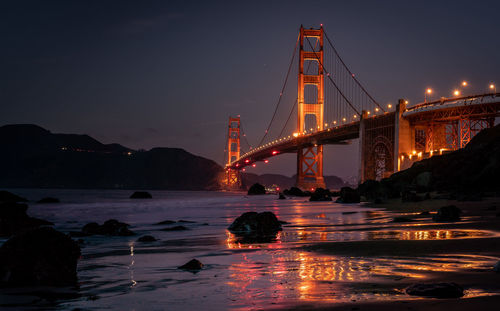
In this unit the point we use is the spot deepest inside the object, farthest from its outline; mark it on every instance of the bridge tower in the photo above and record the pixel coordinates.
(233, 179)
(310, 158)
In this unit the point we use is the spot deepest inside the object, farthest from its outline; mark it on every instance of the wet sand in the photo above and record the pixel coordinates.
(328, 256)
(482, 286)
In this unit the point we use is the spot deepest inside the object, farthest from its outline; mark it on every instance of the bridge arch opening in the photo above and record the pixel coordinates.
(382, 158)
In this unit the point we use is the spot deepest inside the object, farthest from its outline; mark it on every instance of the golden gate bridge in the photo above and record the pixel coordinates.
(341, 109)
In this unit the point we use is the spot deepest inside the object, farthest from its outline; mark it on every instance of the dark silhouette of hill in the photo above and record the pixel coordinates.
(285, 182)
(34, 157)
(473, 168)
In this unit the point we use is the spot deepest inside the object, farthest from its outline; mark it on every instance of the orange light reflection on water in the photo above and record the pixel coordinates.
(285, 275)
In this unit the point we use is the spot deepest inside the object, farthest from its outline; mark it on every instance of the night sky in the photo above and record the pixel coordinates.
(169, 73)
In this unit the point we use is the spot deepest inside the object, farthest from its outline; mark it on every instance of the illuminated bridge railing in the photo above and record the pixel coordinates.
(449, 103)
(291, 143)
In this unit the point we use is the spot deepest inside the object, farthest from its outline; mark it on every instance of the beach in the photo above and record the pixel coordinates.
(328, 255)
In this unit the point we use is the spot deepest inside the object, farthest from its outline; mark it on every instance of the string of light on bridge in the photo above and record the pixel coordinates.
(333, 125)
(346, 103)
(458, 91)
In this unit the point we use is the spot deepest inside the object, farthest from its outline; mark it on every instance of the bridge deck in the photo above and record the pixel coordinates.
(444, 110)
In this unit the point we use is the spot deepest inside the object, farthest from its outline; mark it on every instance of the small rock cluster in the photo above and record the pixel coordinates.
(110, 227)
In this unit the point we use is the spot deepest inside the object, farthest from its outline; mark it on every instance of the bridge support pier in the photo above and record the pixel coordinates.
(232, 179)
(404, 137)
(310, 168)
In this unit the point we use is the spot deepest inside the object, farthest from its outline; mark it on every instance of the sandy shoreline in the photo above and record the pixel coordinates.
(477, 216)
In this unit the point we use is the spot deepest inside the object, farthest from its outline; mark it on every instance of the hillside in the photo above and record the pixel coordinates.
(473, 169)
(34, 157)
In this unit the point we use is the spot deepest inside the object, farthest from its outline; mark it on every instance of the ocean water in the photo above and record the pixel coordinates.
(119, 273)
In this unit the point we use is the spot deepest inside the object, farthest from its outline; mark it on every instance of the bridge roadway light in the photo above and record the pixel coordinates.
(456, 92)
(493, 87)
(389, 106)
(428, 91)
(295, 134)
(464, 83)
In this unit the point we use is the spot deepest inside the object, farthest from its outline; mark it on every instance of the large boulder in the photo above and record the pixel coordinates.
(13, 219)
(6, 196)
(448, 213)
(436, 290)
(321, 194)
(110, 227)
(42, 256)
(348, 195)
(141, 195)
(423, 181)
(256, 227)
(256, 189)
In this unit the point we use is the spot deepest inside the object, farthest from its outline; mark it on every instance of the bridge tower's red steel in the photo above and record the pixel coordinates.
(310, 159)
(233, 179)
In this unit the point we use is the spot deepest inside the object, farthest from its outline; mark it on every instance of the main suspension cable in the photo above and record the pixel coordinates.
(328, 76)
(349, 71)
(281, 93)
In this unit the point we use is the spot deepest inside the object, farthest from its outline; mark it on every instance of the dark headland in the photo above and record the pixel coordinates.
(34, 157)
